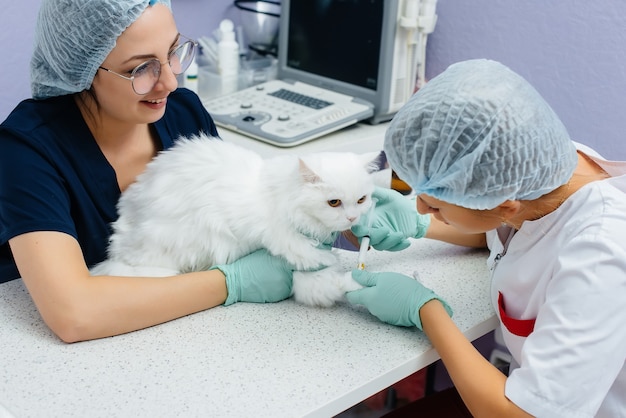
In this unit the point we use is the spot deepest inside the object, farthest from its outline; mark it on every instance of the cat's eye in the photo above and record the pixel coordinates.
(362, 200)
(334, 203)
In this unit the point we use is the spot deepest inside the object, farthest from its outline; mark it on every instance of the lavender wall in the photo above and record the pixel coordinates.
(571, 50)
(17, 25)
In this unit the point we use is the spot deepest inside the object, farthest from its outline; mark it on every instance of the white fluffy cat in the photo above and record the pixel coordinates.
(205, 202)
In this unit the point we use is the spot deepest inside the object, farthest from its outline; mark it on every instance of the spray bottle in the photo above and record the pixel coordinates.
(228, 57)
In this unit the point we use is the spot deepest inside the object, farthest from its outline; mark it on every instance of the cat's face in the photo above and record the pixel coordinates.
(336, 189)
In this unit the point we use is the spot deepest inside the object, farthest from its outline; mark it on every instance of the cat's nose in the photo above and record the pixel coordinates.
(352, 218)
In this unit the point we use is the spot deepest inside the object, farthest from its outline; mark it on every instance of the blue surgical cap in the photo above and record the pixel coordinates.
(73, 38)
(478, 135)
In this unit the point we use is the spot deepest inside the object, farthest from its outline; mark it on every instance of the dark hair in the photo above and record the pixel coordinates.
(83, 105)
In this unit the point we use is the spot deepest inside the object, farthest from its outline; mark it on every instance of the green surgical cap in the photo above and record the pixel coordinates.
(478, 135)
(73, 38)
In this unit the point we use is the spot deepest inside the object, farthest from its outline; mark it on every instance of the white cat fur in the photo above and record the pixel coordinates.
(205, 202)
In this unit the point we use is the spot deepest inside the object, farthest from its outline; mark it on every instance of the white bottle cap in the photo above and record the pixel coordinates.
(227, 30)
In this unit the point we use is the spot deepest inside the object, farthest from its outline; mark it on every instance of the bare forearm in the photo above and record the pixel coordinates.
(440, 232)
(479, 383)
(128, 304)
(78, 306)
(106, 306)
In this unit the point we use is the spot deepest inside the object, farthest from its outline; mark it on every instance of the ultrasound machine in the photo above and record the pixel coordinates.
(339, 62)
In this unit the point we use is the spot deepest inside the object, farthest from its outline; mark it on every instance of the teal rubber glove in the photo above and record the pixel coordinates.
(392, 297)
(395, 220)
(257, 277)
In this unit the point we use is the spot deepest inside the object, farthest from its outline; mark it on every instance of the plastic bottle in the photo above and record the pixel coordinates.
(228, 57)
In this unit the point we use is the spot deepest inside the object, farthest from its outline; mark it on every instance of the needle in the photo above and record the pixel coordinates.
(365, 241)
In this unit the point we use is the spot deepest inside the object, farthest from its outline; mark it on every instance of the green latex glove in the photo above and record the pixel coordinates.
(392, 297)
(258, 277)
(395, 220)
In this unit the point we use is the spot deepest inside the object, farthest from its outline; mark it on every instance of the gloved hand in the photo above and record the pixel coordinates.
(257, 277)
(392, 297)
(395, 219)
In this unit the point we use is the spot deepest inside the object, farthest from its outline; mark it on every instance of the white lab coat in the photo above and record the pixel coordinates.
(567, 271)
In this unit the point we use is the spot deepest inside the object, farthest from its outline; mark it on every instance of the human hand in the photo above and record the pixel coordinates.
(392, 297)
(395, 219)
(257, 277)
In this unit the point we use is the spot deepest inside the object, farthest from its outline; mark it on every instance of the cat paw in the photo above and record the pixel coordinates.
(322, 288)
(348, 284)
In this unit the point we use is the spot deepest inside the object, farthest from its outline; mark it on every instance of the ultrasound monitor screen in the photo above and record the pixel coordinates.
(337, 39)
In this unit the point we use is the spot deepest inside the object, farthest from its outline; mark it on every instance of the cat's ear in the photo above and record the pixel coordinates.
(374, 162)
(307, 174)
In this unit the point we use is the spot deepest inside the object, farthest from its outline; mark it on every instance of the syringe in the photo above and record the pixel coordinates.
(365, 240)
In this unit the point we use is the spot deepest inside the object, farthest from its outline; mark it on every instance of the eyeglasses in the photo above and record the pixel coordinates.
(146, 75)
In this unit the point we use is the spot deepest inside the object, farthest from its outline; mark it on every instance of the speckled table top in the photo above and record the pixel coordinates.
(245, 360)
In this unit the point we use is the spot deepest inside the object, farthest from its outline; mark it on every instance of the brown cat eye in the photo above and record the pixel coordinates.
(334, 203)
